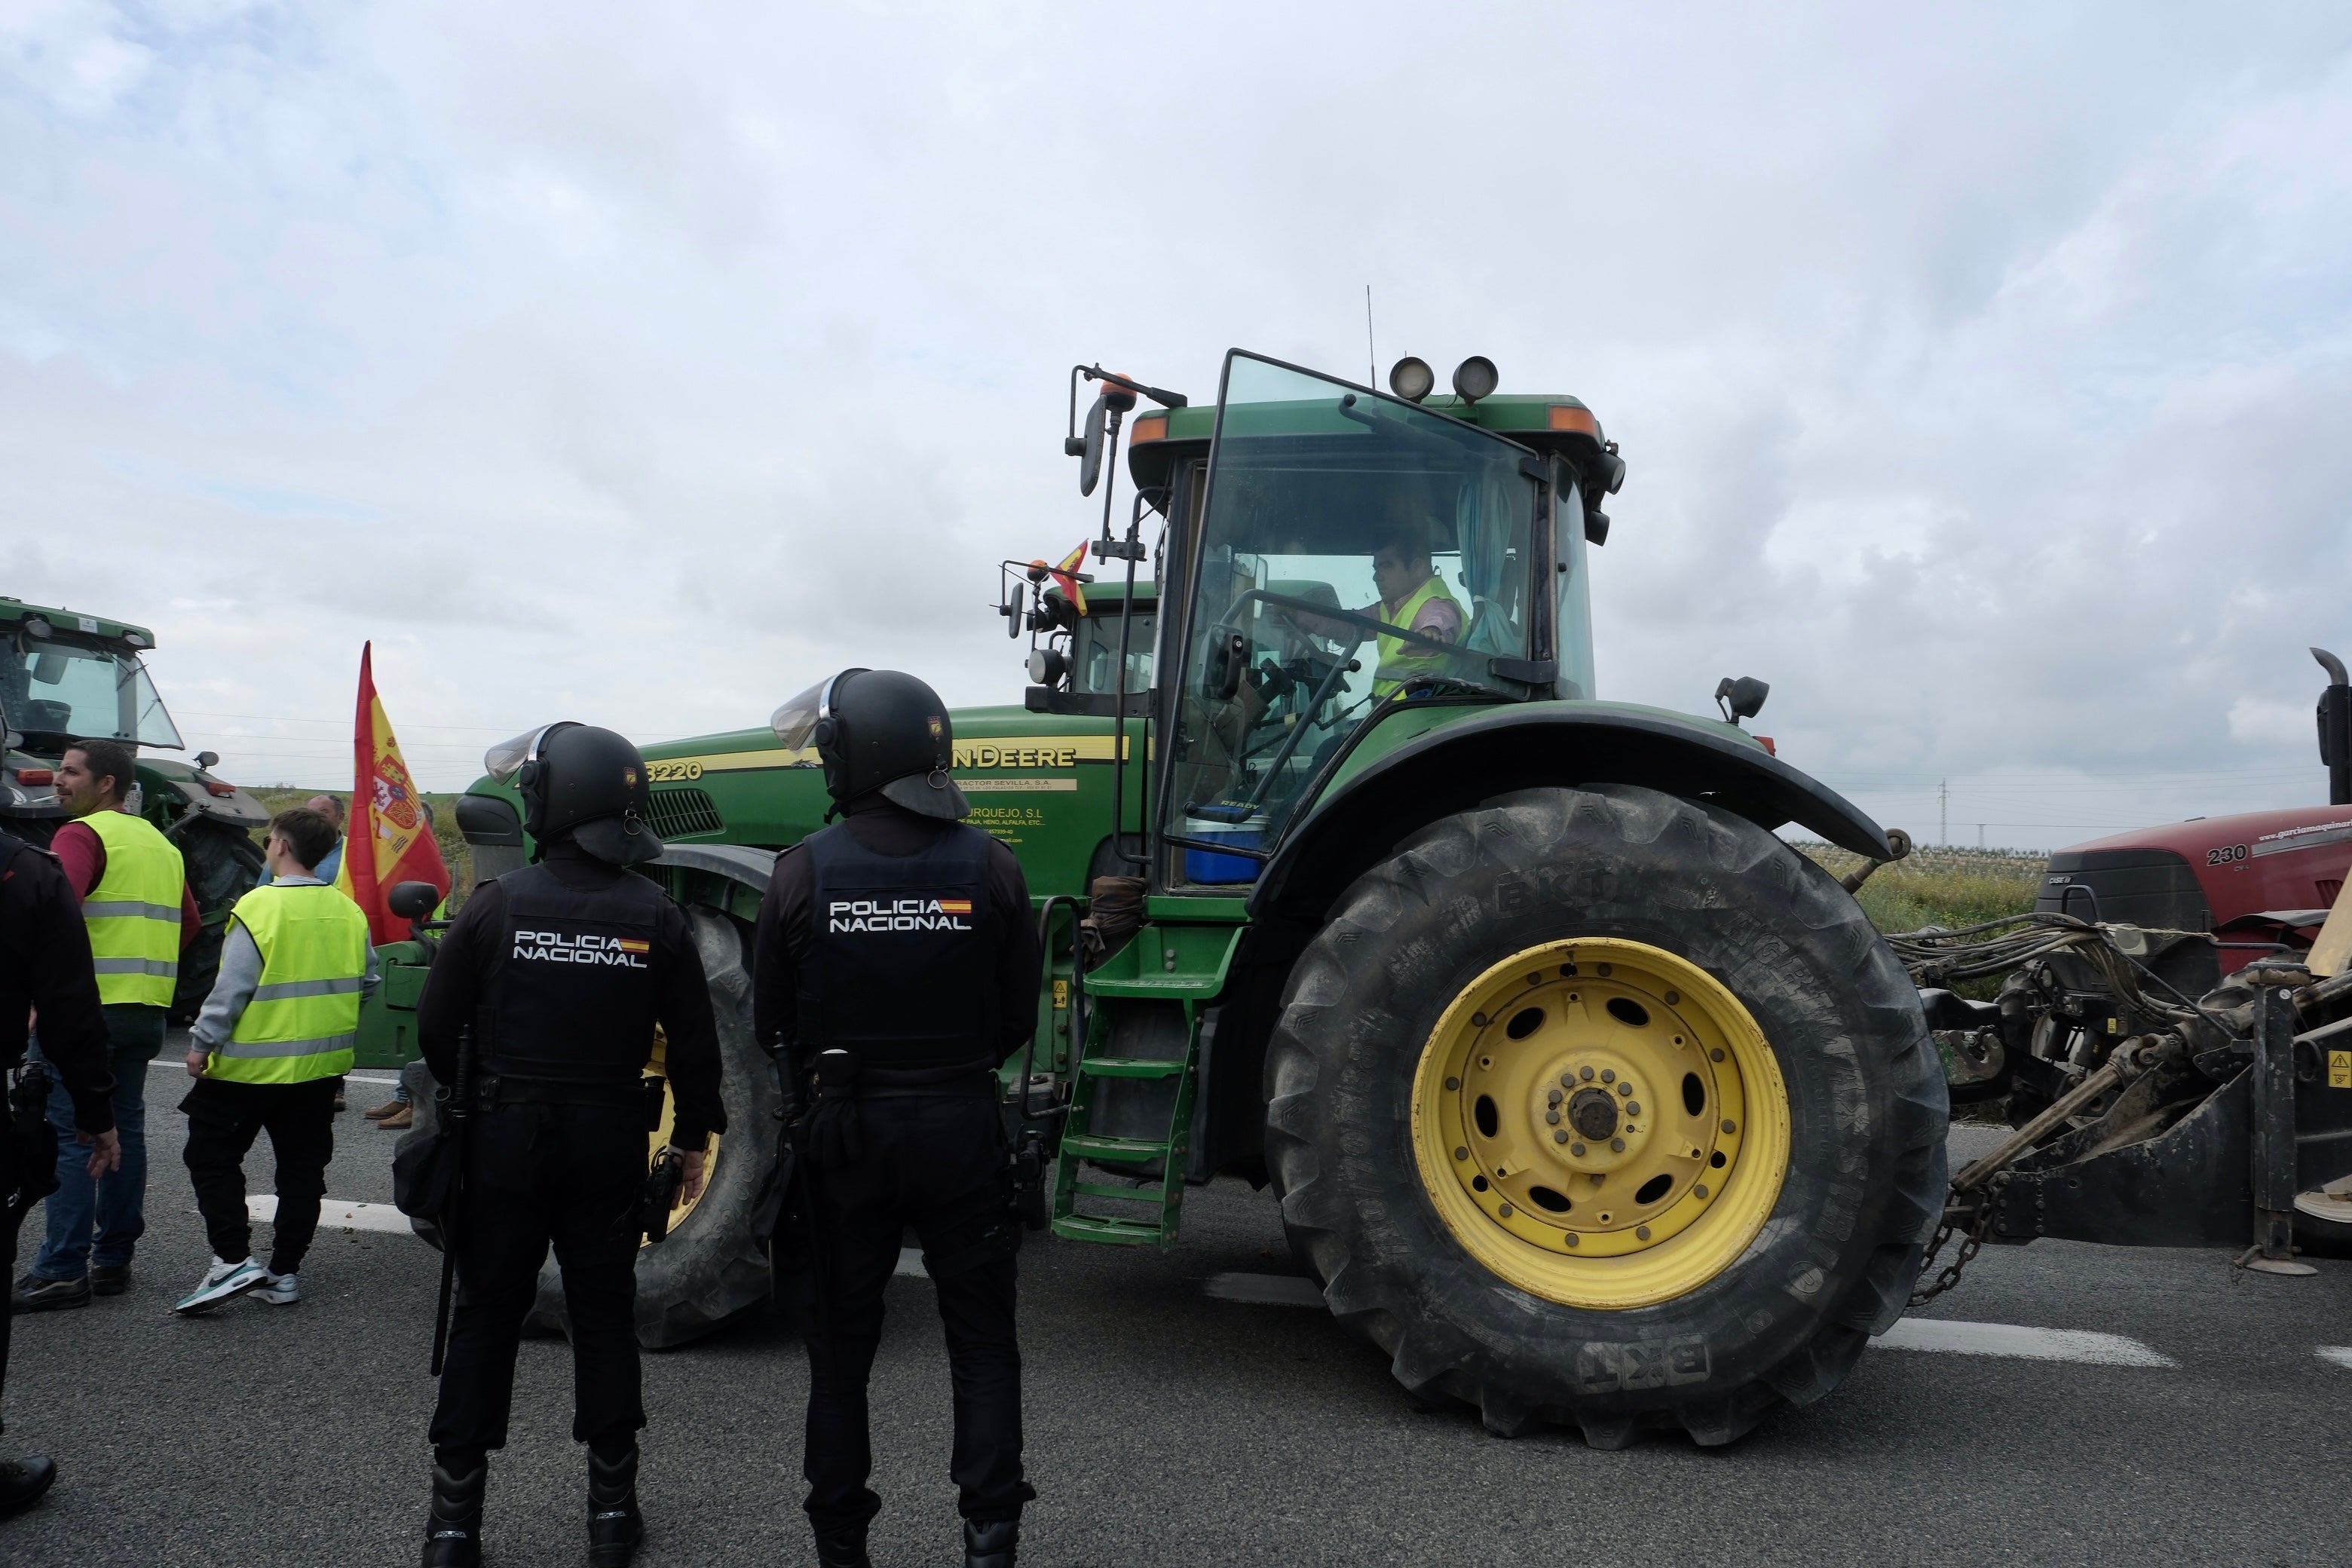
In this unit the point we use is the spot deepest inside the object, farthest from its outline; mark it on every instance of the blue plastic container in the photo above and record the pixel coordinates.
(1207, 867)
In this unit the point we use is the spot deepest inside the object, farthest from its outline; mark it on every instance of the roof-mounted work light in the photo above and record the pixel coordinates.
(1475, 378)
(1412, 379)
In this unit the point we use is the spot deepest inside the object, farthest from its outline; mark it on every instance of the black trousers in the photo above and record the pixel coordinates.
(536, 1174)
(7, 1231)
(939, 1164)
(224, 1119)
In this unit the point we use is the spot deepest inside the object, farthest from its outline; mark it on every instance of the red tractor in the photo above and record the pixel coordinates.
(2173, 1034)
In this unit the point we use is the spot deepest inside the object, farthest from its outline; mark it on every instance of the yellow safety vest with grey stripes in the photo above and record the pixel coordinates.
(133, 913)
(304, 1019)
(1402, 660)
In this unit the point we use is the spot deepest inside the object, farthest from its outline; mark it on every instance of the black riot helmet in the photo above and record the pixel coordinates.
(877, 729)
(579, 780)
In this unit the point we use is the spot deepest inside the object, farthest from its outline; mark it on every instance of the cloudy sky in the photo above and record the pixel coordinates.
(1985, 374)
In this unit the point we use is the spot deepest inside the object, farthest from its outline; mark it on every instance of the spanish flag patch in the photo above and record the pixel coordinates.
(630, 944)
(955, 906)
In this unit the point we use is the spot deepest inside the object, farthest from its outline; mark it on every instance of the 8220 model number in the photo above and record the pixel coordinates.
(672, 773)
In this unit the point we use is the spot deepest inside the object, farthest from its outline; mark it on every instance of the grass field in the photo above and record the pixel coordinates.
(1949, 887)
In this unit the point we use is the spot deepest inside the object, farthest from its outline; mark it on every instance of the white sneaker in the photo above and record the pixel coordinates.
(278, 1290)
(221, 1282)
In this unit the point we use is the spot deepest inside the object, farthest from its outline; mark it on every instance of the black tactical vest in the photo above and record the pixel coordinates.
(576, 995)
(900, 969)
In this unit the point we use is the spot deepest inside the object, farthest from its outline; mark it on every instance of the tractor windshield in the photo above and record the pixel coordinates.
(1353, 549)
(53, 690)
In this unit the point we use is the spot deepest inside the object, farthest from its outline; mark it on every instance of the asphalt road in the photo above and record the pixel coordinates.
(1170, 1423)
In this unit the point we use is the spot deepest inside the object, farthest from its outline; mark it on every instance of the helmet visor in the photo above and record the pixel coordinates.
(795, 723)
(506, 759)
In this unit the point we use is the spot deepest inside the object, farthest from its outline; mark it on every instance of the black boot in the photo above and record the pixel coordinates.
(22, 1482)
(989, 1544)
(615, 1525)
(846, 1548)
(453, 1534)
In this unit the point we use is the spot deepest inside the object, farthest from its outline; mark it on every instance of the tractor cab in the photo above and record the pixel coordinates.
(1330, 555)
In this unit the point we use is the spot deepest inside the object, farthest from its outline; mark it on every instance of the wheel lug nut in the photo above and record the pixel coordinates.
(1633, 1108)
(1729, 1125)
(1552, 1116)
(1640, 1232)
(1560, 1136)
(1625, 1089)
(1554, 1098)
(1567, 1080)
(1586, 1075)
(1617, 1145)
(1577, 1149)
(1609, 1075)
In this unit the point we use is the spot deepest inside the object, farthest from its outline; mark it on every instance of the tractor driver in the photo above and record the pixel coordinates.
(1412, 597)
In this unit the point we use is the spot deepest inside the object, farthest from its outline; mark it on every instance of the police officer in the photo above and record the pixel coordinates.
(897, 961)
(562, 971)
(45, 967)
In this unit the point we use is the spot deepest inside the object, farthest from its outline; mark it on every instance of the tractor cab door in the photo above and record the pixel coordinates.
(1354, 553)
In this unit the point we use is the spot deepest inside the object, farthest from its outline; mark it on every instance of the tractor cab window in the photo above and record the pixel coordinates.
(52, 690)
(1352, 549)
(1094, 649)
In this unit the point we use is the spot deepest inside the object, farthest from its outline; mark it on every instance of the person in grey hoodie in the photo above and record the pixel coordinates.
(311, 944)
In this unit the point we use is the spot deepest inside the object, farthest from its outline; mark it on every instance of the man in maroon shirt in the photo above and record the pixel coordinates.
(109, 1209)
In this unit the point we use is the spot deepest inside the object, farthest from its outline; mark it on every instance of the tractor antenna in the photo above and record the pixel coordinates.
(1372, 356)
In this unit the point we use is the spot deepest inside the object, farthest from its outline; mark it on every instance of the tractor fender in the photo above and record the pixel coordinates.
(1456, 766)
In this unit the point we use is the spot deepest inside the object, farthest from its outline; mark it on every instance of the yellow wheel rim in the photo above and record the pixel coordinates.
(1601, 1124)
(658, 1067)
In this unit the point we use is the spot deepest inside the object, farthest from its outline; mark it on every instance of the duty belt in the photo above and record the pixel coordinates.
(499, 1091)
(924, 1083)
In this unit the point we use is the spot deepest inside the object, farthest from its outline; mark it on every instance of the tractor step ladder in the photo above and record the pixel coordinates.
(1161, 1200)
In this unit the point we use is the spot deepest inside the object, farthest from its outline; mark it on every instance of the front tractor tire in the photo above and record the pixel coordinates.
(1605, 1108)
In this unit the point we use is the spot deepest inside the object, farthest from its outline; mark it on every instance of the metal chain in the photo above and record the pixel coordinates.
(1969, 1245)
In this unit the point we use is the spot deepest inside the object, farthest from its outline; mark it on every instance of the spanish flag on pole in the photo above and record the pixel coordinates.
(389, 841)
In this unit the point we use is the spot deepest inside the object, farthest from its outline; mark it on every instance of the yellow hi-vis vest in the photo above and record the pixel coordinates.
(304, 1019)
(133, 913)
(1400, 661)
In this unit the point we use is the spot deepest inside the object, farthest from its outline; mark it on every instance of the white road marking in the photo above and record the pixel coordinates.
(1264, 1290)
(2017, 1340)
(2339, 1354)
(334, 1213)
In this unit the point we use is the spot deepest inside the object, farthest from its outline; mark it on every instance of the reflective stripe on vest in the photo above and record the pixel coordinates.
(1400, 659)
(303, 1020)
(133, 913)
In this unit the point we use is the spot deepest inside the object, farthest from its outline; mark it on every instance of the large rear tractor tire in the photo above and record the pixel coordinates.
(705, 1270)
(222, 865)
(1605, 1108)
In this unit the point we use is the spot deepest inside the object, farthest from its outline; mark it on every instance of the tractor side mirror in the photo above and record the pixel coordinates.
(1740, 697)
(413, 901)
(207, 760)
(2335, 728)
(1011, 609)
(1091, 454)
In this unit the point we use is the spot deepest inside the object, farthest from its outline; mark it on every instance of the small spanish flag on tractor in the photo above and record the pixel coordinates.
(1066, 577)
(390, 840)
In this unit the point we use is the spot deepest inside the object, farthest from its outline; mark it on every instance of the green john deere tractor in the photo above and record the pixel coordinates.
(66, 676)
(1587, 1099)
